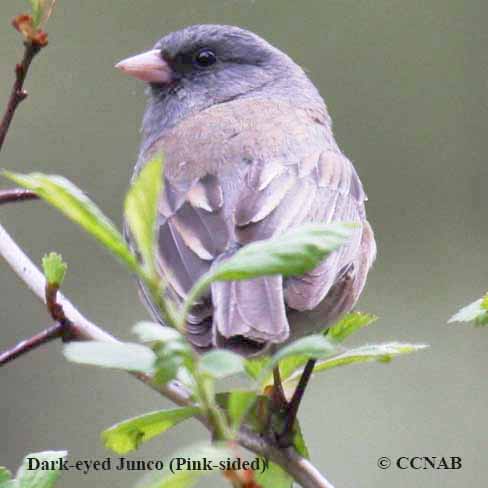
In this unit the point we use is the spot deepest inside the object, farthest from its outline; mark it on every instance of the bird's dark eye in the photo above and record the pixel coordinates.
(205, 58)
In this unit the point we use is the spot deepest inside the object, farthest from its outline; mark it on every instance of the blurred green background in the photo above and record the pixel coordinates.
(406, 84)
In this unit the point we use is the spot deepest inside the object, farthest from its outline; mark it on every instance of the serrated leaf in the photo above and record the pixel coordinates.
(40, 478)
(155, 332)
(255, 414)
(299, 442)
(309, 347)
(239, 404)
(54, 268)
(128, 435)
(171, 348)
(375, 352)
(5, 474)
(288, 366)
(9, 484)
(72, 202)
(118, 355)
(295, 252)
(187, 478)
(350, 323)
(476, 312)
(36, 6)
(41, 11)
(141, 207)
(273, 477)
(167, 367)
(254, 366)
(220, 363)
(336, 334)
(469, 312)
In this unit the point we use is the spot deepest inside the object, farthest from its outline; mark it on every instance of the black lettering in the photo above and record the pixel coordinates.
(442, 464)
(33, 464)
(456, 462)
(414, 465)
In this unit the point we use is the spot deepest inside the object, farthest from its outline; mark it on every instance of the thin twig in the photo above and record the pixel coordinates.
(285, 439)
(13, 195)
(50, 334)
(18, 94)
(83, 329)
(298, 467)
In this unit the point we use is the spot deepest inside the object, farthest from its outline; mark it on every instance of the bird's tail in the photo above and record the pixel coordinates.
(249, 315)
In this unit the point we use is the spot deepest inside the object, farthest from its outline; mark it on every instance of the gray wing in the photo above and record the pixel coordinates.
(218, 199)
(322, 187)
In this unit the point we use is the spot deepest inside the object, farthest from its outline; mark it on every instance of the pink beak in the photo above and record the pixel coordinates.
(148, 66)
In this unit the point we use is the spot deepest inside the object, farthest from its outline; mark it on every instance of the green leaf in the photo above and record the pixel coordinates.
(476, 312)
(40, 478)
(375, 352)
(254, 366)
(294, 252)
(172, 349)
(273, 477)
(119, 355)
(309, 347)
(185, 478)
(167, 367)
(155, 332)
(5, 474)
(336, 334)
(239, 404)
(54, 268)
(36, 6)
(141, 208)
(299, 442)
(288, 366)
(220, 363)
(349, 324)
(128, 435)
(72, 202)
(41, 11)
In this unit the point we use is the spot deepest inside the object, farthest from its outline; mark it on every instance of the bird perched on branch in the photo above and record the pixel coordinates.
(249, 153)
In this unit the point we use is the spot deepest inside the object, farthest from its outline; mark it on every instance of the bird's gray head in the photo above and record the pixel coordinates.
(203, 65)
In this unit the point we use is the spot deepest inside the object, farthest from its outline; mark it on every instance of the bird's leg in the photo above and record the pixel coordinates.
(285, 439)
(277, 405)
(278, 397)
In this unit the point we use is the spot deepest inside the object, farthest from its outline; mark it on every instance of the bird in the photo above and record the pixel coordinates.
(249, 154)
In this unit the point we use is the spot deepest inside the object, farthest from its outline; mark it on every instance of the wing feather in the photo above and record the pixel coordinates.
(244, 185)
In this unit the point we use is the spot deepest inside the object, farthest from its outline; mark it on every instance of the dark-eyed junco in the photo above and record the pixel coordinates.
(249, 153)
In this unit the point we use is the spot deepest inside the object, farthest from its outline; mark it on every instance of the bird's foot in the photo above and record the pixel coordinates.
(285, 436)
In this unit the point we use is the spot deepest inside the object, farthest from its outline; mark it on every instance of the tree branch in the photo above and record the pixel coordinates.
(82, 328)
(298, 467)
(18, 94)
(23, 347)
(16, 195)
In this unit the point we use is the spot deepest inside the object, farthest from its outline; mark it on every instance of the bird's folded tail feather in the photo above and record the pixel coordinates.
(249, 313)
